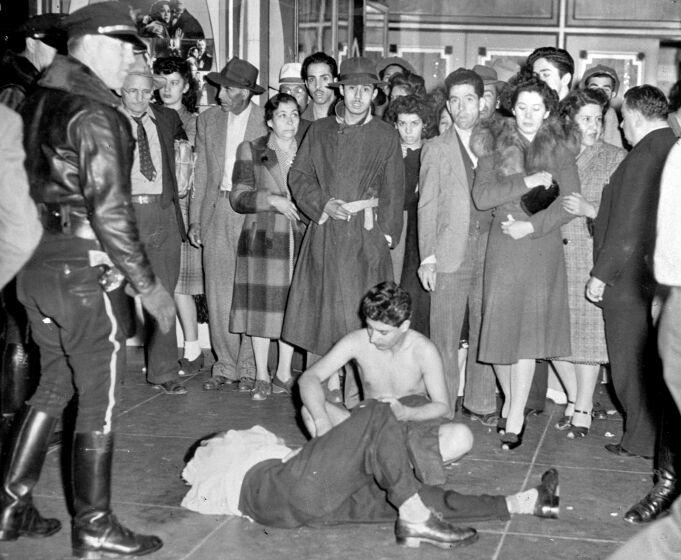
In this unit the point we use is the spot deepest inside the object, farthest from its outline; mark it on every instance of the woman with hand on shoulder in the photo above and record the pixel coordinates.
(525, 312)
(269, 241)
(597, 160)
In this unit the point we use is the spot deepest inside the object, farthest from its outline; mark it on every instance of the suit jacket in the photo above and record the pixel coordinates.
(444, 202)
(211, 136)
(169, 127)
(624, 229)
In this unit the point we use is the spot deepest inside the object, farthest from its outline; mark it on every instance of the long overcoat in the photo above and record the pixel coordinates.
(525, 308)
(339, 261)
(267, 246)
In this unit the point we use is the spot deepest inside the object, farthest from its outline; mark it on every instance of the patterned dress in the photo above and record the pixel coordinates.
(595, 165)
(190, 280)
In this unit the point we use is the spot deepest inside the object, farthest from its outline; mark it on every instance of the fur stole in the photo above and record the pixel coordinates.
(514, 154)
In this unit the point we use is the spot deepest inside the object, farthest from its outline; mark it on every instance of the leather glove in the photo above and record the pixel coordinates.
(160, 305)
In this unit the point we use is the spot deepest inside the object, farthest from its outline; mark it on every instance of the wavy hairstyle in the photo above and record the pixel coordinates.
(171, 64)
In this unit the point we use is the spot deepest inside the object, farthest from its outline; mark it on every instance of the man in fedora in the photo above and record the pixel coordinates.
(80, 148)
(348, 179)
(212, 221)
(493, 87)
(156, 202)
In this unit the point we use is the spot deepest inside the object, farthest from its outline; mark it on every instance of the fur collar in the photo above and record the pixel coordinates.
(514, 154)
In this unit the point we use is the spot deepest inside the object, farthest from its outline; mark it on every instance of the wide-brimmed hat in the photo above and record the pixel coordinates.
(356, 71)
(489, 76)
(382, 64)
(104, 18)
(237, 73)
(141, 68)
(290, 73)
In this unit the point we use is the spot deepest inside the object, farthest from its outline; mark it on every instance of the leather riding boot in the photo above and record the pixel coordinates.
(25, 458)
(96, 532)
(668, 462)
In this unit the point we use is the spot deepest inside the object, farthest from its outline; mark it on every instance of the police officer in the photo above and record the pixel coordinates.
(79, 173)
(29, 49)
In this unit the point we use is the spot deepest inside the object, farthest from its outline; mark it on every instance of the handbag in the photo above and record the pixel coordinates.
(184, 167)
(539, 198)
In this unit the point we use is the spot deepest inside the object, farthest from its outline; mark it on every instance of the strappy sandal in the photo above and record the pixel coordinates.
(579, 432)
(566, 420)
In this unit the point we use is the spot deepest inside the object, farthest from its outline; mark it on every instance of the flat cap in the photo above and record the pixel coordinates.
(112, 19)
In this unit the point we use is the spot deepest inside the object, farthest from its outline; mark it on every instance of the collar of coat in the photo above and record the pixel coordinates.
(70, 75)
(340, 116)
(513, 153)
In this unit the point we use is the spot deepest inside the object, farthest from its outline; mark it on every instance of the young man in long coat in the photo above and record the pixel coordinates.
(348, 178)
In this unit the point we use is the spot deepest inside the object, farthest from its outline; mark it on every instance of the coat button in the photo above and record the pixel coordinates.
(566, 241)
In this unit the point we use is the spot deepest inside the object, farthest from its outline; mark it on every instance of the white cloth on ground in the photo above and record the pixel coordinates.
(217, 470)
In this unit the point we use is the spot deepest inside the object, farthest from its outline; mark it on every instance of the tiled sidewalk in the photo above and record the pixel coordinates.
(156, 431)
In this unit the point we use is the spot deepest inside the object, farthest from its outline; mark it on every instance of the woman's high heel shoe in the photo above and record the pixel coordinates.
(510, 441)
(579, 432)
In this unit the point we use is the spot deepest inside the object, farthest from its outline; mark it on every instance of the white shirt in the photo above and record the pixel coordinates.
(236, 130)
(219, 466)
(668, 243)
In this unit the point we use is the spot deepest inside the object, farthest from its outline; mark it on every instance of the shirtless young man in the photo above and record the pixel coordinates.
(396, 365)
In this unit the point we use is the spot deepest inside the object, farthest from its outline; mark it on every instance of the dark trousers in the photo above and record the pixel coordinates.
(358, 472)
(161, 237)
(540, 383)
(72, 322)
(635, 368)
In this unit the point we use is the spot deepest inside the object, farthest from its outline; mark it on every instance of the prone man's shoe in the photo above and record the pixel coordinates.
(433, 531)
(657, 502)
(548, 496)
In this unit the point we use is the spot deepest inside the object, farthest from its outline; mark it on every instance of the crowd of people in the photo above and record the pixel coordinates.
(423, 252)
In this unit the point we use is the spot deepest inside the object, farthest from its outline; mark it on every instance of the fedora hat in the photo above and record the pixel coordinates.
(290, 73)
(382, 64)
(141, 68)
(505, 68)
(357, 70)
(237, 73)
(489, 76)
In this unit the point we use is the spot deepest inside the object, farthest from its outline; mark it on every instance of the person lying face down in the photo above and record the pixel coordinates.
(358, 471)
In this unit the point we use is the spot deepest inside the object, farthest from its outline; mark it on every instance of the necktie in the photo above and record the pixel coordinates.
(146, 165)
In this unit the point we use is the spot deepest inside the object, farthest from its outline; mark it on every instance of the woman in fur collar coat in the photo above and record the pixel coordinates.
(525, 309)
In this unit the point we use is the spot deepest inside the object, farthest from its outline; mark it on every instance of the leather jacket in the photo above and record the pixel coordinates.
(80, 151)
